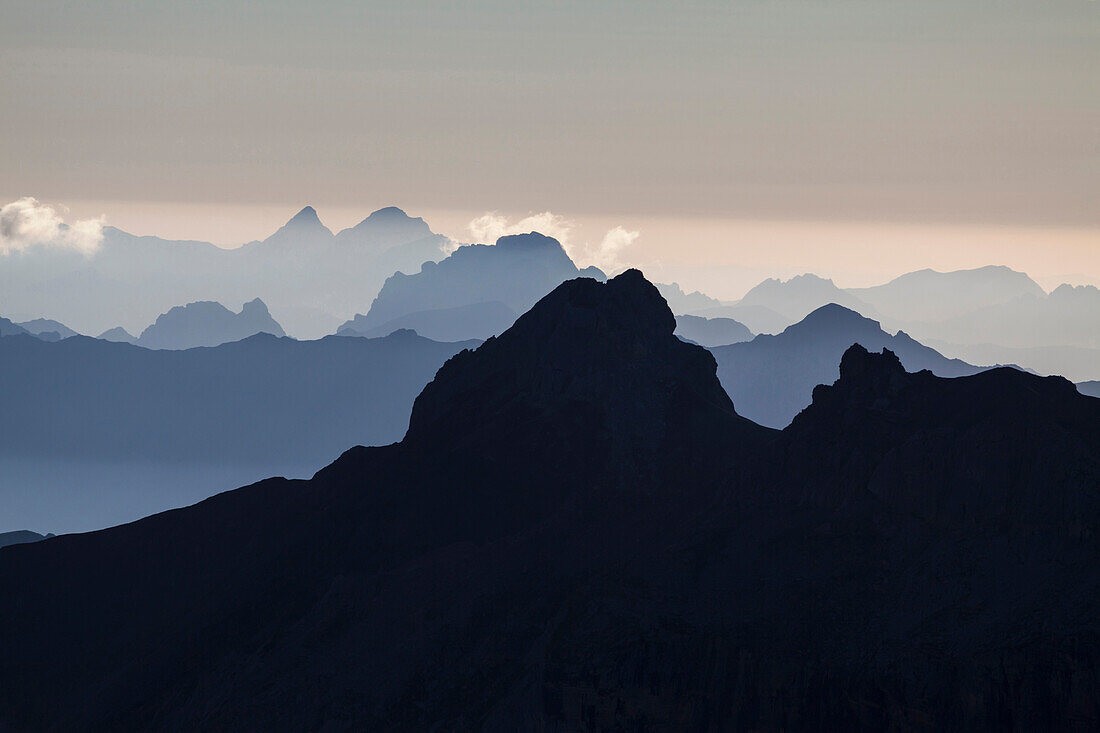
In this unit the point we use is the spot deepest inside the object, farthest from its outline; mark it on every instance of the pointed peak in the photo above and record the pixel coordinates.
(306, 217)
(834, 313)
(255, 306)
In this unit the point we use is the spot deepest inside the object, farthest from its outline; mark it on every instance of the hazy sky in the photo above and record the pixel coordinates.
(714, 129)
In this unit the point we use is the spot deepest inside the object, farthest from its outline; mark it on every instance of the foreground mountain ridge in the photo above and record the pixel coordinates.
(579, 531)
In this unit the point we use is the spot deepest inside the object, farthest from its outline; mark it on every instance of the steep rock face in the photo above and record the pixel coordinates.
(590, 360)
(579, 532)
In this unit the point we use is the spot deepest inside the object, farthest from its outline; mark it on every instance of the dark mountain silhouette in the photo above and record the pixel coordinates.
(312, 280)
(771, 378)
(1092, 389)
(516, 271)
(579, 532)
(711, 331)
(119, 335)
(21, 537)
(207, 323)
(7, 328)
(45, 326)
(97, 432)
(927, 295)
(473, 321)
(799, 296)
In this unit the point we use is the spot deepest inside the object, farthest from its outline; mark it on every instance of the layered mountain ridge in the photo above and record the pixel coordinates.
(579, 531)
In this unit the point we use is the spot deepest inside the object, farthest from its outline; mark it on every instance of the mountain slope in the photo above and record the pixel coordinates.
(771, 377)
(580, 532)
(8, 328)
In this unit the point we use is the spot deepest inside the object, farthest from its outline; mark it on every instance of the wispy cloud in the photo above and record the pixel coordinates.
(605, 254)
(27, 223)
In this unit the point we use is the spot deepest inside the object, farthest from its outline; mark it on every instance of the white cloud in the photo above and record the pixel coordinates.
(606, 256)
(490, 226)
(28, 223)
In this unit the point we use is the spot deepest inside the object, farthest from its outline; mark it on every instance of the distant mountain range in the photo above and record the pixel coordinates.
(205, 324)
(772, 378)
(312, 279)
(579, 531)
(927, 295)
(711, 331)
(88, 425)
(514, 273)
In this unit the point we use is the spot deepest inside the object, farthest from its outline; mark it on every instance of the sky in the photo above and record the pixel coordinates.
(712, 142)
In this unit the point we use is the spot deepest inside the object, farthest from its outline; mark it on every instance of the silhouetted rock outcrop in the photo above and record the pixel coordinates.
(207, 323)
(771, 377)
(580, 532)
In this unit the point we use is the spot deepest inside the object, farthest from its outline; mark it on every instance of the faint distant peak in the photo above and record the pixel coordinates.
(307, 217)
(832, 316)
(390, 213)
(390, 223)
(255, 306)
(529, 241)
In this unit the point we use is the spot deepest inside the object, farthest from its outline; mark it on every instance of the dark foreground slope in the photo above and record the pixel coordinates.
(579, 532)
(94, 433)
